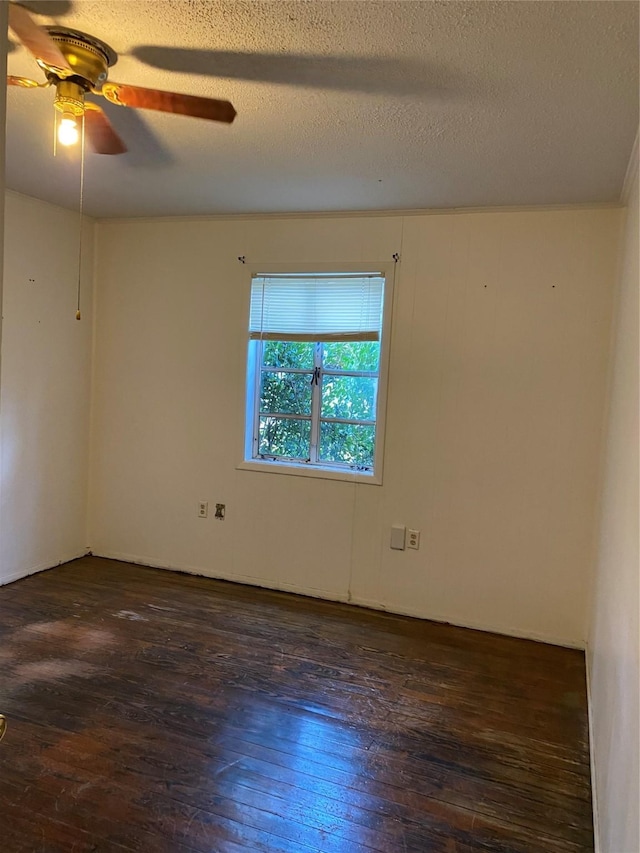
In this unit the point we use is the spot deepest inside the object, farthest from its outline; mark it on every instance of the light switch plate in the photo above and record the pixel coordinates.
(398, 533)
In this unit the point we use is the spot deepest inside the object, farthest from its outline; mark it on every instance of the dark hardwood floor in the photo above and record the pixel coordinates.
(162, 713)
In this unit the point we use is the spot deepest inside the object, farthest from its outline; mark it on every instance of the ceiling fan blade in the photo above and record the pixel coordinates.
(22, 81)
(34, 38)
(169, 102)
(51, 8)
(102, 137)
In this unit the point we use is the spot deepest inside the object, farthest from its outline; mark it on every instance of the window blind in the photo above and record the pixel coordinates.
(317, 307)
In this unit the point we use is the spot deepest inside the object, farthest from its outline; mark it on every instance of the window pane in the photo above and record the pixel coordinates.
(355, 355)
(287, 354)
(288, 437)
(352, 397)
(350, 443)
(289, 393)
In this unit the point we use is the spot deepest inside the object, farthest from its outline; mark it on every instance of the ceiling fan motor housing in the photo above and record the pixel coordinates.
(89, 58)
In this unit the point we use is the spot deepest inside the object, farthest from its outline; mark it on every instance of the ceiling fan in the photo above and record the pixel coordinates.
(76, 63)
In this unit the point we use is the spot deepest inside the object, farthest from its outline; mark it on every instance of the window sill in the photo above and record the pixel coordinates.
(304, 471)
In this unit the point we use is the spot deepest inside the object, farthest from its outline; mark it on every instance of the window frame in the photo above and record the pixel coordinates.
(253, 371)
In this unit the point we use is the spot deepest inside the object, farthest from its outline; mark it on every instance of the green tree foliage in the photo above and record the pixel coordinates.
(355, 355)
(350, 397)
(287, 393)
(350, 443)
(285, 437)
(342, 396)
(288, 354)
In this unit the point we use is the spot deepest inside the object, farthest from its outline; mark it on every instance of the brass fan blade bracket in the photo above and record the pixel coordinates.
(110, 92)
(3, 726)
(36, 40)
(26, 83)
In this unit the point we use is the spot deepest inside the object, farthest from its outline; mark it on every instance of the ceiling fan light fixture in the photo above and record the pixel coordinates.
(69, 97)
(69, 101)
(76, 64)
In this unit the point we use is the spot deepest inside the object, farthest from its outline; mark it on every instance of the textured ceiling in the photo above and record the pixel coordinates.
(347, 106)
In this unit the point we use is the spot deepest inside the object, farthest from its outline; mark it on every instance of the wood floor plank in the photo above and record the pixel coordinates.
(146, 756)
(369, 763)
(154, 711)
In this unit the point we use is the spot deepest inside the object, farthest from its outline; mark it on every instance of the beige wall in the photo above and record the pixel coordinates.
(498, 363)
(45, 388)
(614, 639)
(3, 123)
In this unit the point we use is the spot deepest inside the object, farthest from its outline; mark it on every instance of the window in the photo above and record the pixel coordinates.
(314, 379)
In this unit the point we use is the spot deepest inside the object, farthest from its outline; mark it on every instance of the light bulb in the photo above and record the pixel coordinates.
(67, 130)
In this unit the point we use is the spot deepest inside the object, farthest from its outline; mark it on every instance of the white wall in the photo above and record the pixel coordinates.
(614, 640)
(498, 367)
(44, 388)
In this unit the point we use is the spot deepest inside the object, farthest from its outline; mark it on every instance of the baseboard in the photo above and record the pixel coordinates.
(592, 760)
(475, 626)
(250, 580)
(41, 567)
(347, 598)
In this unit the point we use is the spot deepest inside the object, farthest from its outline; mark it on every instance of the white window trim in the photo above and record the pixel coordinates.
(387, 269)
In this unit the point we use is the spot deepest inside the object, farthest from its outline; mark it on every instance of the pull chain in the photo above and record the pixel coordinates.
(78, 315)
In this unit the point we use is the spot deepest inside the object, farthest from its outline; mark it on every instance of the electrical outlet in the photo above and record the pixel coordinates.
(413, 539)
(220, 511)
(203, 509)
